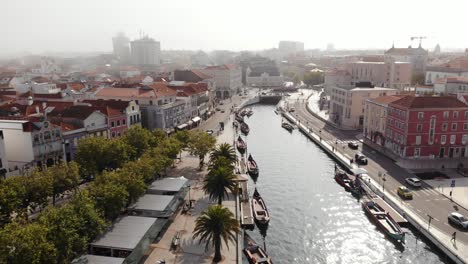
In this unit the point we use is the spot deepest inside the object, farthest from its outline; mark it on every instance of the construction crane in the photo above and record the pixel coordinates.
(420, 40)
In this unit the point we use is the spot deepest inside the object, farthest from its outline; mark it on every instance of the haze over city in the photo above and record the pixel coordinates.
(87, 26)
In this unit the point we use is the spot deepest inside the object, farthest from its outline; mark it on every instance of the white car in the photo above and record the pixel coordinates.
(458, 219)
(415, 182)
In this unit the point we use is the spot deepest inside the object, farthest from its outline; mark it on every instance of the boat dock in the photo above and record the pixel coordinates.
(394, 214)
(246, 219)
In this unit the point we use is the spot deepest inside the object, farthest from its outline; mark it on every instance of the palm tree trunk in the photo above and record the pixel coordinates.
(220, 200)
(217, 256)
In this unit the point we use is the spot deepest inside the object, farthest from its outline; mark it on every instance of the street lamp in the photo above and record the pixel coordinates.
(190, 200)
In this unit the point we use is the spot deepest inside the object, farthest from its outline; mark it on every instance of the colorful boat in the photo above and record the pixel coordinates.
(343, 179)
(384, 221)
(241, 145)
(254, 253)
(252, 167)
(287, 126)
(259, 209)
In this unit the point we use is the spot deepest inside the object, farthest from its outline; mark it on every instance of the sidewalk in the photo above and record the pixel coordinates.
(313, 104)
(459, 192)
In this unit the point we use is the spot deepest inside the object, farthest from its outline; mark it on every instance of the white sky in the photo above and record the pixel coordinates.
(88, 25)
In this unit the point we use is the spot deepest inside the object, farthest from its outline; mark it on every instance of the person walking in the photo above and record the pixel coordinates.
(454, 236)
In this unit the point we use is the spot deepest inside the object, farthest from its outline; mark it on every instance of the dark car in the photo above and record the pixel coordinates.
(353, 145)
(360, 159)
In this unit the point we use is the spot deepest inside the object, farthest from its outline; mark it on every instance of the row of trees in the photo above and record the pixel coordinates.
(217, 223)
(117, 172)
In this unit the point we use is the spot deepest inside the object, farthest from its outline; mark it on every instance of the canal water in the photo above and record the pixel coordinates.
(313, 220)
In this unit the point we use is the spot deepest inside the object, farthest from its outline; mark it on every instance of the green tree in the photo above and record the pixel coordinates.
(215, 225)
(11, 196)
(224, 150)
(159, 135)
(65, 177)
(38, 189)
(170, 147)
(313, 78)
(218, 181)
(91, 223)
(131, 180)
(110, 198)
(26, 243)
(95, 154)
(200, 144)
(140, 139)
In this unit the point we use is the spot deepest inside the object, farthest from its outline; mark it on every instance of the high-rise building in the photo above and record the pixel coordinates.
(146, 52)
(288, 48)
(121, 45)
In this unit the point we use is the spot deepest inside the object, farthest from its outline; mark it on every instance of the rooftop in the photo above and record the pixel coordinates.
(125, 233)
(428, 102)
(93, 259)
(385, 99)
(152, 202)
(168, 184)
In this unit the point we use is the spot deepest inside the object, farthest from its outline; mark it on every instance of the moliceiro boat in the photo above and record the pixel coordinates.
(244, 128)
(259, 209)
(254, 253)
(249, 113)
(287, 126)
(384, 221)
(343, 179)
(252, 166)
(241, 145)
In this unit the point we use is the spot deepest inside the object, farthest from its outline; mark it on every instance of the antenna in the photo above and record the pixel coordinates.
(420, 39)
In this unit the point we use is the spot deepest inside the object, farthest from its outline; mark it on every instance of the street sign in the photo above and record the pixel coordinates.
(452, 184)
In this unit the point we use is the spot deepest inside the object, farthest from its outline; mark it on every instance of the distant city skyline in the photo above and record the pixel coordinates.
(88, 26)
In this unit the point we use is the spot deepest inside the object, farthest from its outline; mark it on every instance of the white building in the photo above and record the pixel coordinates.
(228, 79)
(37, 87)
(451, 85)
(121, 46)
(375, 118)
(29, 144)
(455, 68)
(290, 48)
(146, 52)
(347, 104)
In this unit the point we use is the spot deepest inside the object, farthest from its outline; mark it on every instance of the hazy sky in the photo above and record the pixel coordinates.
(88, 25)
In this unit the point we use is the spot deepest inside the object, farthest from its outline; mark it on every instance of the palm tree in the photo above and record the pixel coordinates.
(218, 181)
(220, 162)
(214, 225)
(224, 150)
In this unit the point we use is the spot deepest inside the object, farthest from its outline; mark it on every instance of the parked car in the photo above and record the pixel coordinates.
(292, 109)
(221, 103)
(222, 111)
(415, 182)
(209, 132)
(353, 145)
(218, 109)
(360, 159)
(405, 193)
(458, 220)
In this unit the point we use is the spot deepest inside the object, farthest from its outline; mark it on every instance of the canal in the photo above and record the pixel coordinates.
(313, 220)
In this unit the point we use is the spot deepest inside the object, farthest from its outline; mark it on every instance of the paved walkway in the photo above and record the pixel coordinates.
(190, 251)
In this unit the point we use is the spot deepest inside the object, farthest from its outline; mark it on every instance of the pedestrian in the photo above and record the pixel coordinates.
(450, 195)
(454, 236)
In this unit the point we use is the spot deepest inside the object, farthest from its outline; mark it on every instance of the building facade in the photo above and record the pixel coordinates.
(416, 56)
(146, 52)
(121, 47)
(422, 127)
(375, 118)
(347, 104)
(228, 79)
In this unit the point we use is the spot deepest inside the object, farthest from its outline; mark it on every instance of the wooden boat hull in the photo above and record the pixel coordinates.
(287, 126)
(252, 167)
(384, 222)
(254, 253)
(241, 146)
(245, 128)
(259, 209)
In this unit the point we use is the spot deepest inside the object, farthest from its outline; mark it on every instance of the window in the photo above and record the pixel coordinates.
(118, 122)
(453, 138)
(446, 114)
(444, 126)
(417, 152)
(443, 139)
(420, 115)
(465, 139)
(466, 114)
(124, 122)
(455, 114)
(454, 126)
(113, 134)
(112, 124)
(418, 140)
(419, 127)
(465, 126)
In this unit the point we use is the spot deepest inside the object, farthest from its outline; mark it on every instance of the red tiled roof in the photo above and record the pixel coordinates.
(50, 96)
(222, 67)
(201, 74)
(410, 102)
(386, 99)
(76, 111)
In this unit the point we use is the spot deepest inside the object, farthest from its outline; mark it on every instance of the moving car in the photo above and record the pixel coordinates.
(405, 193)
(353, 145)
(415, 182)
(360, 159)
(458, 220)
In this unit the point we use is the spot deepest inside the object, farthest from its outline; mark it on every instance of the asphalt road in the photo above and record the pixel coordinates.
(426, 201)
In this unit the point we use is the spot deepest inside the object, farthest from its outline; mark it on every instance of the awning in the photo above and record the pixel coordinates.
(196, 119)
(190, 122)
(357, 171)
(182, 126)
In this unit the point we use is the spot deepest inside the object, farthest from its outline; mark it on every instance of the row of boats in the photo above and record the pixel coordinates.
(383, 220)
(254, 253)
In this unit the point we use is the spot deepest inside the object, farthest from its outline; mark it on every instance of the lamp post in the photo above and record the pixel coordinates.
(190, 200)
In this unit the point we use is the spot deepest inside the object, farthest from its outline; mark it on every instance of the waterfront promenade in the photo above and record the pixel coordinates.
(429, 209)
(190, 251)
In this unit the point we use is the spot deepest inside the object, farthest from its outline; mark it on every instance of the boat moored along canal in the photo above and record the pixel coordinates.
(252, 167)
(254, 253)
(287, 126)
(241, 145)
(244, 128)
(384, 221)
(260, 211)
